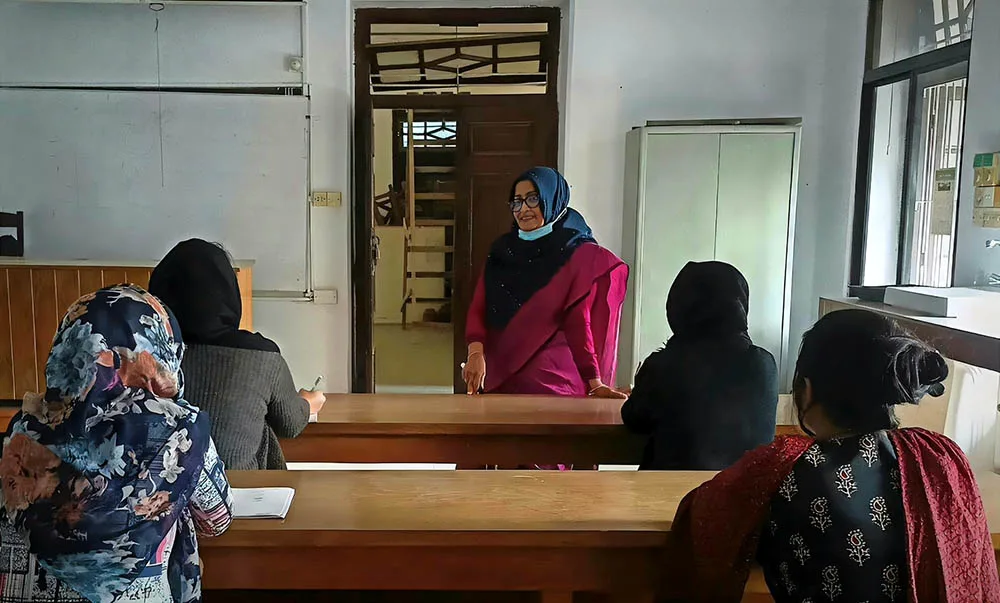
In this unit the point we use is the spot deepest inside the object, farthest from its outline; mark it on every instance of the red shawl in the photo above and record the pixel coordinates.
(951, 558)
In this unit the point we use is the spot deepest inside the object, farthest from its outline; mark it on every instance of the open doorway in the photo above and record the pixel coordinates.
(452, 104)
(415, 168)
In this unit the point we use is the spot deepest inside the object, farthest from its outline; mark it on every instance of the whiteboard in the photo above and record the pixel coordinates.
(130, 45)
(87, 169)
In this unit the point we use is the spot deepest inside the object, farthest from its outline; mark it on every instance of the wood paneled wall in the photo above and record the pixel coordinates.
(32, 302)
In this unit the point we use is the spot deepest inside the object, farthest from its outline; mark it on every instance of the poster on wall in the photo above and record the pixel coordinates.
(943, 202)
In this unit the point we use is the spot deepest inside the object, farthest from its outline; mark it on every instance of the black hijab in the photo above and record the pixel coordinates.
(708, 300)
(516, 269)
(197, 282)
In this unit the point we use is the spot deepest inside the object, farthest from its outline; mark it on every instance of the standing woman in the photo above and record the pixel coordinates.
(545, 315)
(239, 378)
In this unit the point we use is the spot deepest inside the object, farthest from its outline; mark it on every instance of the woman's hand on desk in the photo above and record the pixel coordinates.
(474, 371)
(599, 390)
(315, 400)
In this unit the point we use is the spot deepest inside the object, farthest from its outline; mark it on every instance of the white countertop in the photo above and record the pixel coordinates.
(986, 324)
(9, 261)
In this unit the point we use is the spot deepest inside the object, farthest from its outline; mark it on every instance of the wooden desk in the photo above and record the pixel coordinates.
(553, 532)
(469, 430)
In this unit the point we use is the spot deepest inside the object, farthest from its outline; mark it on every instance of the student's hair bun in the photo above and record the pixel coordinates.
(861, 364)
(915, 371)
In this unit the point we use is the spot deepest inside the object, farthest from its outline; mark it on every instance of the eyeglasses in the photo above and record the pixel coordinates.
(532, 201)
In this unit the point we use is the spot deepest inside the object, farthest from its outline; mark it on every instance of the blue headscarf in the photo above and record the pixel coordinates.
(517, 269)
(99, 468)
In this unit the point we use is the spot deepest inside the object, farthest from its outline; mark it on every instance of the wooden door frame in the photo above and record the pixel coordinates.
(362, 211)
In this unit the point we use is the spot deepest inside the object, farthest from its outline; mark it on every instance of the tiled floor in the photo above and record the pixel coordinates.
(416, 357)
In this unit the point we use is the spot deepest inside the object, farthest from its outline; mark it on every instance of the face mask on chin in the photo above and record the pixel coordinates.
(542, 231)
(534, 235)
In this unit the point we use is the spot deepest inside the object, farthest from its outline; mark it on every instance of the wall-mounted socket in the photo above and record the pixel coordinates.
(326, 297)
(295, 64)
(327, 199)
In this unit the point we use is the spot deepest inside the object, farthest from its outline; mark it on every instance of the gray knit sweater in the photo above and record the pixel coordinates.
(251, 400)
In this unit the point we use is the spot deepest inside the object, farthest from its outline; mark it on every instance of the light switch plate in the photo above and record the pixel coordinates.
(326, 297)
(327, 199)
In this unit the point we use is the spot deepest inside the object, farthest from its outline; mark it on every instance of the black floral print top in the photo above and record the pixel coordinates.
(836, 530)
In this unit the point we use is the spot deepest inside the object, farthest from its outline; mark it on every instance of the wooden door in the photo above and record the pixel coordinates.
(496, 144)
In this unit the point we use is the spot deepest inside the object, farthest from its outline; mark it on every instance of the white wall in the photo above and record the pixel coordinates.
(639, 60)
(982, 135)
(623, 62)
(219, 46)
(109, 44)
(314, 338)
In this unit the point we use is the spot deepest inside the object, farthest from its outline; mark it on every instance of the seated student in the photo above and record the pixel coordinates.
(109, 475)
(238, 377)
(709, 395)
(862, 511)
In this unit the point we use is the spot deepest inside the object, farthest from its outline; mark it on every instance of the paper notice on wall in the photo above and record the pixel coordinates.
(943, 202)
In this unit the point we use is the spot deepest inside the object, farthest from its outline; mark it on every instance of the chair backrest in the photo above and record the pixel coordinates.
(10, 246)
(786, 411)
(12, 220)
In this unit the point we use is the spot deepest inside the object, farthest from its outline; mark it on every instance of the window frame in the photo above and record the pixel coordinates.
(909, 69)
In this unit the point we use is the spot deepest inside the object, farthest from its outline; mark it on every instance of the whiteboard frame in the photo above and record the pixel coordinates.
(307, 292)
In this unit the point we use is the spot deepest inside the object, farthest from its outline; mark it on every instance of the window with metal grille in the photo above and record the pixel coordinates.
(431, 133)
(910, 143)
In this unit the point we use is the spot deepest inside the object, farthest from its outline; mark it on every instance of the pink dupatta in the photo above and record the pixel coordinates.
(539, 322)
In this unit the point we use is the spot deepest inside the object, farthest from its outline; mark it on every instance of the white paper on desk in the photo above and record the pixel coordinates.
(313, 418)
(262, 503)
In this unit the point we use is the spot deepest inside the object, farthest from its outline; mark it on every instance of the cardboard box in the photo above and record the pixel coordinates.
(987, 169)
(987, 196)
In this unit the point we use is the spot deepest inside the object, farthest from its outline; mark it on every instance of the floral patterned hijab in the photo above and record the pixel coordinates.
(101, 467)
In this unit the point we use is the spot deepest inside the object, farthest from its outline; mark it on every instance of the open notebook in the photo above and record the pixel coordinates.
(262, 503)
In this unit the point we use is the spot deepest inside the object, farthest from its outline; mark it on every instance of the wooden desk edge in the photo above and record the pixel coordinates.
(608, 537)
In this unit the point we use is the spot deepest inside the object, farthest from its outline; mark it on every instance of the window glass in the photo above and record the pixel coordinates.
(906, 28)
